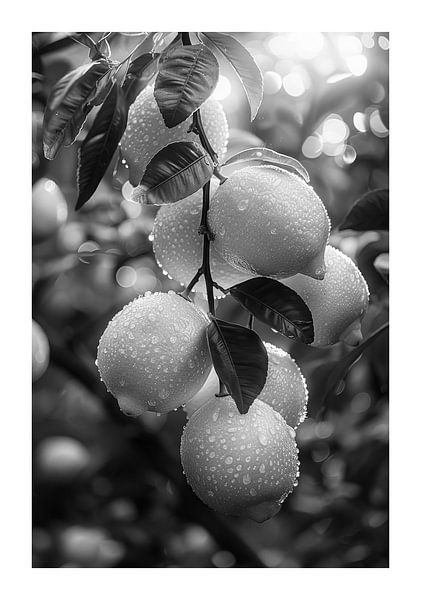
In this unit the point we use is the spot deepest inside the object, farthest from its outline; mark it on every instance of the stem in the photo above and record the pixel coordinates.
(185, 38)
(251, 321)
(206, 249)
(192, 283)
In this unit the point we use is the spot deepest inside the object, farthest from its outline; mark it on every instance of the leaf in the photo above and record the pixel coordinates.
(99, 146)
(340, 368)
(277, 305)
(138, 75)
(243, 64)
(178, 170)
(268, 157)
(370, 212)
(240, 360)
(69, 102)
(187, 76)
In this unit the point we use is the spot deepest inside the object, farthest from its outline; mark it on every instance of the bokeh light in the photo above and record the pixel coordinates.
(294, 84)
(313, 146)
(360, 121)
(334, 130)
(272, 82)
(223, 88)
(377, 126)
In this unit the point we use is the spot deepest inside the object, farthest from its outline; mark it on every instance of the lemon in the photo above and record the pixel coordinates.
(338, 303)
(153, 354)
(285, 389)
(146, 133)
(268, 221)
(240, 465)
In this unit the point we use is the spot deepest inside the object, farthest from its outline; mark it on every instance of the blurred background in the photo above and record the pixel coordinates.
(108, 491)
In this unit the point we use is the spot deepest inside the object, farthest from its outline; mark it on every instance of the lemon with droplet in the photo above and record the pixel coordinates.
(153, 354)
(338, 303)
(178, 246)
(240, 465)
(268, 221)
(146, 133)
(49, 209)
(285, 389)
(40, 351)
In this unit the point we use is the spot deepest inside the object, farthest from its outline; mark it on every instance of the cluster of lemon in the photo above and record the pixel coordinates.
(154, 355)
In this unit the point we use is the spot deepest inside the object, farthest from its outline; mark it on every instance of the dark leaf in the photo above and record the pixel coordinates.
(370, 212)
(339, 369)
(240, 360)
(277, 305)
(187, 76)
(268, 157)
(99, 146)
(69, 102)
(177, 171)
(138, 75)
(243, 64)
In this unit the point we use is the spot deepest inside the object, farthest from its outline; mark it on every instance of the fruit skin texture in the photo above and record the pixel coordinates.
(269, 222)
(240, 465)
(153, 354)
(337, 303)
(146, 133)
(178, 247)
(285, 389)
(40, 351)
(49, 209)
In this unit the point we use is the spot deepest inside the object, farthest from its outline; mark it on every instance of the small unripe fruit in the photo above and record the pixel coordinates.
(269, 222)
(153, 354)
(49, 209)
(61, 458)
(178, 247)
(146, 133)
(240, 465)
(285, 389)
(40, 351)
(338, 303)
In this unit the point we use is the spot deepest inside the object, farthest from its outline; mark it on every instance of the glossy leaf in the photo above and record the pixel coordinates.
(370, 212)
(70, 101)
(268, 157)
(100, 144)
(240, 360)
(177, 171)
(138, 75)
(187, 76)
(276, 305)
(243, 64)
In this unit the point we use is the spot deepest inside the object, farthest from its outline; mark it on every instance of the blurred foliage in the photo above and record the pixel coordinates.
(110, 492)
